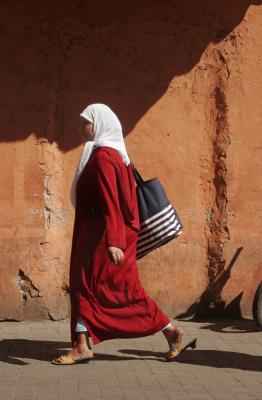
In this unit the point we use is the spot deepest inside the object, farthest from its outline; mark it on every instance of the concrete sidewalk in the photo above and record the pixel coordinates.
(227, 364)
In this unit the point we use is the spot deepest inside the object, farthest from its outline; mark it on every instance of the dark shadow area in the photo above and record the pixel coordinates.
(211, 358)
(225, 325)
(11, 350)
(222, 359)
(59, 57)
(205, 307)
(242, 325)
(257, 307)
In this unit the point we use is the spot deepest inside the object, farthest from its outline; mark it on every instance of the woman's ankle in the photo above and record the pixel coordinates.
(170, 331)
(170, 328)
(81, 348)
(82, 343)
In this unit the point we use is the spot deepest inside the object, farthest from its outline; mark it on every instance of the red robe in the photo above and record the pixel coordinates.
(109, 299)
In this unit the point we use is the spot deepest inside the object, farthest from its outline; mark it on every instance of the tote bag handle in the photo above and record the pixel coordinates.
(138, 177)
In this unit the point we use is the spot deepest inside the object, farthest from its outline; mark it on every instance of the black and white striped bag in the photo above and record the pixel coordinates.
(159, 220)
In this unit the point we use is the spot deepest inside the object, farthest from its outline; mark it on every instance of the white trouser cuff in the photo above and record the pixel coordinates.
(80, 327)
(167, 326)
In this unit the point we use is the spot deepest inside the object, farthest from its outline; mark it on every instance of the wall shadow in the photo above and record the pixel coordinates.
(210, 303)
(59, 57)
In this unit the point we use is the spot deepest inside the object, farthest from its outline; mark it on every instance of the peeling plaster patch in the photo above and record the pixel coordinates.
(51, 317)
(47, 194)
(65, 287)
(47, 216)
(61, 217)
(26, 286)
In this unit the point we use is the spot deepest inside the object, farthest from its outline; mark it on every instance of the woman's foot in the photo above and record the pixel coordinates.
(80, 352)
(74, 356)
(174, 338)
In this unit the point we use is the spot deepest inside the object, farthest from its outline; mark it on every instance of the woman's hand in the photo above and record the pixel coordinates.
(116, 255)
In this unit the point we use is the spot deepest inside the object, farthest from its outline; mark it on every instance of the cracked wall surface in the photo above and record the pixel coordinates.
(185, 81)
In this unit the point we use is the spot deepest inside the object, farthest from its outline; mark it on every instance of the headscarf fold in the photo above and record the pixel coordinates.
(107, 132)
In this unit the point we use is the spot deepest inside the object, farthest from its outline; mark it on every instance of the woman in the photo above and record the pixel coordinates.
(107, 298)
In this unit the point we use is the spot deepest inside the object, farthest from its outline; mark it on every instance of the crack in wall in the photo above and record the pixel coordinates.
(217, 221)
(219, 232)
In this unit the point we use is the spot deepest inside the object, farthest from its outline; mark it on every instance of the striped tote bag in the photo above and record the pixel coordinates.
(159, 220)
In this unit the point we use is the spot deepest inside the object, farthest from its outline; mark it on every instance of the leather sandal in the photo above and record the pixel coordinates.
(69, 360)
(173, 354)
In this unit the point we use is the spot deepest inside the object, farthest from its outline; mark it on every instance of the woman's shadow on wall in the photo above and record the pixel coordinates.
(62, 57)
(210, 307)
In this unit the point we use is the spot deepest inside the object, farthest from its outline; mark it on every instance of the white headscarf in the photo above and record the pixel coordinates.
(107, 132)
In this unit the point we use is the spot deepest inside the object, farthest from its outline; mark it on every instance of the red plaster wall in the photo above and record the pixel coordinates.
(184, 77)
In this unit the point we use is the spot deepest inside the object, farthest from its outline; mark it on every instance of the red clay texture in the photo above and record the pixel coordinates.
(185, 80)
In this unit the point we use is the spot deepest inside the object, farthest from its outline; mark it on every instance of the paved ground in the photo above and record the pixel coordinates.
(227, 364)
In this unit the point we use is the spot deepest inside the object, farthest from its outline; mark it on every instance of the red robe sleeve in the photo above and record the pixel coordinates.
(108, 202)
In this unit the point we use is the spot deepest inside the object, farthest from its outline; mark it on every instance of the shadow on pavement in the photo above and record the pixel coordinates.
(242, 325)
(11, 350)
(210, 358)
(222, 359)
(14, 351)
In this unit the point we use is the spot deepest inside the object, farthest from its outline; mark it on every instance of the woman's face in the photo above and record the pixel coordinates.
(86, 128)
